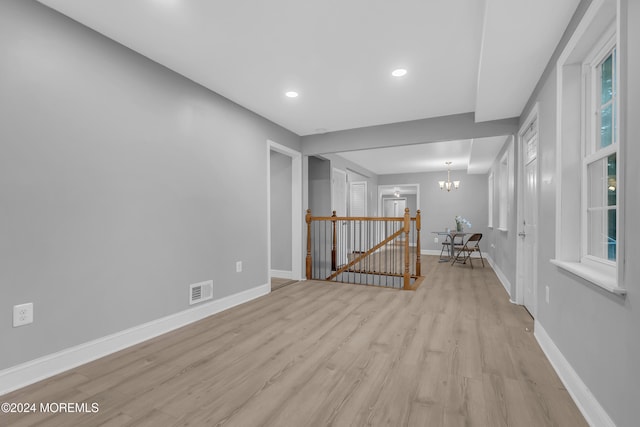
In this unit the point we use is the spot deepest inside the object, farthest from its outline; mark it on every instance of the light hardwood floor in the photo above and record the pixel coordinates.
(455, 352)
(277, 283)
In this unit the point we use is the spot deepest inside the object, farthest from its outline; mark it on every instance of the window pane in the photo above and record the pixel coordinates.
(606, 80)
(615, 94)
(612, 183)
(601, 208)
(602, 237)
(611, 235)
(597, 241)
(606, 130)
(597, 184)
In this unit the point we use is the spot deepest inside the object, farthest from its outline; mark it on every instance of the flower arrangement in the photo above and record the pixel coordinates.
(461, 223)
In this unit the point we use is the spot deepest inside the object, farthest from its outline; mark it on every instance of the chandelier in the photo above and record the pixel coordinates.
(448, 183)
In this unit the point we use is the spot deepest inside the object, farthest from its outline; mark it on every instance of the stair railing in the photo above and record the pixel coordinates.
(382, 251)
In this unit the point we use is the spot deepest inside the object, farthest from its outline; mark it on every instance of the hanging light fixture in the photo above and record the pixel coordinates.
(448, 184)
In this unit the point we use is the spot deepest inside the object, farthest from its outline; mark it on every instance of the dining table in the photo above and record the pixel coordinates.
(448, 237)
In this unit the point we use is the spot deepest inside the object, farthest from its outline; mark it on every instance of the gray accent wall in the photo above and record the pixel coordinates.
(439, 208)
(502, 244)
(596, 331)
(319, 186)
(281, 169)
(121, 183)
(355, 173)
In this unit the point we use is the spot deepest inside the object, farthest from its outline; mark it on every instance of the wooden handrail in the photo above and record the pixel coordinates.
(406, 270)
(359, 218)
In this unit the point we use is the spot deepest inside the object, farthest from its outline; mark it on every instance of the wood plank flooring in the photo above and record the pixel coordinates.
(455, 352)
(277, 283)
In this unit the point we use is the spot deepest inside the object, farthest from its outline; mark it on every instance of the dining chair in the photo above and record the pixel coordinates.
(449, 243)
(465, 250)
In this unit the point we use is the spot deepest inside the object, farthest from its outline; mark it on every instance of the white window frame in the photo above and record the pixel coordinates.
(588, 40)
(591, 136)
(503, 191)
(490, 184)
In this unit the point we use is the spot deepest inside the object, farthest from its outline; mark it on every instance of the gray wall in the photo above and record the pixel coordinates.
(281, 166)
(115, 179)
(319, 186)
(356, 173)
(439, 208)
(596, 331)
(502, 244)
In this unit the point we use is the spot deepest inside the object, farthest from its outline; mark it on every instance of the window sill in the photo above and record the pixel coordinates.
(594, 275)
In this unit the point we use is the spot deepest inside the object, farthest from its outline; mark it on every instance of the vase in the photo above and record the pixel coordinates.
(459, 227)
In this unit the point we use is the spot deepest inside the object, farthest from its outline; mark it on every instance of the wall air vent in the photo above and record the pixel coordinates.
(199, 292)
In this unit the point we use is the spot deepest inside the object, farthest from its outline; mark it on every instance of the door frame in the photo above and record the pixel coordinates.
(383, 187)
(522, 162)
(297, 211)
(395, 199)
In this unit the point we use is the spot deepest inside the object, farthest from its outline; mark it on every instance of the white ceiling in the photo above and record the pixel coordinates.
(472, 155)
(461, 55)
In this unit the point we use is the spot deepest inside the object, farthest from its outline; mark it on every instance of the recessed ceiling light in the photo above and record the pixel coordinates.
(399, 72)
(292, 94)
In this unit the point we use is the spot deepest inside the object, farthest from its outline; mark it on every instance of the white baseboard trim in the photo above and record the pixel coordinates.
(586, 402)
(501, 277)
(429, 252)
(282, 274)
(47, 366)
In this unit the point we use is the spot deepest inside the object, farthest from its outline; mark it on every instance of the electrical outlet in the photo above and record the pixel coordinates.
(22, 314)
(238, 266)
(546, 294)
(435, 240)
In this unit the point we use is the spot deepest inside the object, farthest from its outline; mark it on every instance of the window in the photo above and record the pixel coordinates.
(600, 171)
(589, 187)
(490, 182)
(503, 191)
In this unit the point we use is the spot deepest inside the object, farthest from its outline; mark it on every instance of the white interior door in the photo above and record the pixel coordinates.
(530, 254)
(339, 204)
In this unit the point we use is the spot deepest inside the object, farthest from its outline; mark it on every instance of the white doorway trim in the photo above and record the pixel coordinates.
(385, 189)
(297, 257)
(532, 119)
